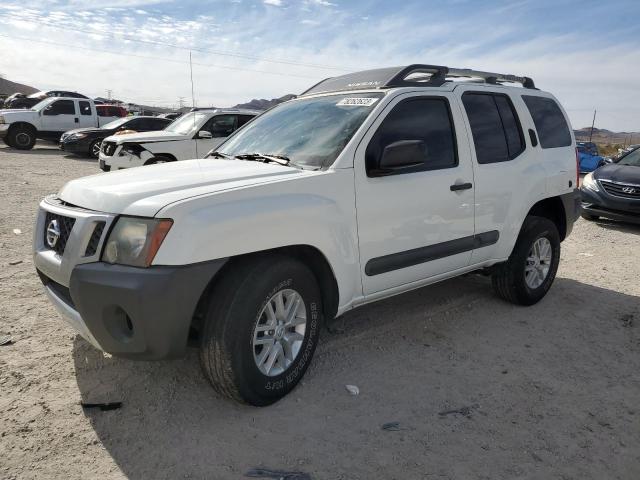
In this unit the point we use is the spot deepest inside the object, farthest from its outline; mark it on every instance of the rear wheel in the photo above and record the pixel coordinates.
(22, 137)
(526, 277)
(261, 329)
(94, 148)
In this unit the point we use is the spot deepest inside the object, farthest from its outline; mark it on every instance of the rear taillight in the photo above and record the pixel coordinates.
(577, 169)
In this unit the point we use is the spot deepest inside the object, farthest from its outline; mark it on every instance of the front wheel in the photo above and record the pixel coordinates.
(94, 148)
(527, 276)
(261, 329)
(22, 138)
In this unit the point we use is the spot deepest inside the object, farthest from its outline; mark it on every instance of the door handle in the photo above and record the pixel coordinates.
(76, 120)
(460, 186)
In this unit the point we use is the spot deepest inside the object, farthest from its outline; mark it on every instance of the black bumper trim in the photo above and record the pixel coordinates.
(140, 313)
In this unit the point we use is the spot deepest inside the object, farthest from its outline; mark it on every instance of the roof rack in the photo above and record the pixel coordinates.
(412, 76)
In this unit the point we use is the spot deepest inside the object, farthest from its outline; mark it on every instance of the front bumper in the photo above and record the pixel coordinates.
(74, 146)
(130, 312)
(138, 313)
(602, 204)
(4, 129)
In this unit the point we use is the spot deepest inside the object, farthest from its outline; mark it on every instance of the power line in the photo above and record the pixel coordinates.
(203, 50)
(148, 57)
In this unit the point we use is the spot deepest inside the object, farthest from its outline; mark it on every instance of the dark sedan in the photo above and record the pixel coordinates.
(86, 141)
(613, 191)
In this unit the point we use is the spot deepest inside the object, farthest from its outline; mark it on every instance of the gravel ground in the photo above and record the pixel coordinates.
(465, 385)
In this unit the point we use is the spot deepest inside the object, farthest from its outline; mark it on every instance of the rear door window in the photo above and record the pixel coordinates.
(496, 130)
(550, 123)
(85, 108)
(242, 119)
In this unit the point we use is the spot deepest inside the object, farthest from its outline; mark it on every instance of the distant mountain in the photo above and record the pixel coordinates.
(264, 104)
(601, 135)
(7, 87)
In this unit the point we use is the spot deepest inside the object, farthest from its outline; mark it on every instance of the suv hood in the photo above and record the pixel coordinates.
(145, 190)
(619, 173)
(147, 137)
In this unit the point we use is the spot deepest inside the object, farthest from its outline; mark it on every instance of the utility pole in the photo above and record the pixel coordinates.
(592, 125)
(109, 93)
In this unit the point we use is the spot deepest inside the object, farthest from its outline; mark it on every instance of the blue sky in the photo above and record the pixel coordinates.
(585, 52)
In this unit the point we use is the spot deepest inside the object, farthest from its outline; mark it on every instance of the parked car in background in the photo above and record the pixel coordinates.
(112, 111)
(366, 186)
(35, 98)
(48, 120)
(172, 115)
(86, 141)
(613, 191)
(191, 136)
(588, 156)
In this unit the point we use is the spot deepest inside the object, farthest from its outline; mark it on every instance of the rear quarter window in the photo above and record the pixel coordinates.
(550, 123)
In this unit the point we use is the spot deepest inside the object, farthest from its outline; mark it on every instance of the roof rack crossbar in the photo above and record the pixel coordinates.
(416, 75)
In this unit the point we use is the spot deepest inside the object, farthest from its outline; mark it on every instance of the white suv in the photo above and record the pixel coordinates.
(191, 136)
(366, 186)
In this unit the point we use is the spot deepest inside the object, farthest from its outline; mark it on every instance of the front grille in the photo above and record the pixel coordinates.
(94, 241)
(621, 190)
(64, 226)
(108, 148)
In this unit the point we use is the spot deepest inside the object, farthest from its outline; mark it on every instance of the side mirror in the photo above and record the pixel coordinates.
(399, 156)
(204, 134)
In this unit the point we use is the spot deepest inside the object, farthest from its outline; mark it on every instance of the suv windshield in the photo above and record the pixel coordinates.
(311, 132)
(187, 123)
(631, 158)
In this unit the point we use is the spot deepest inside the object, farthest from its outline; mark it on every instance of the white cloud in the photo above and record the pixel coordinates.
(140, 68)
(274, 3)
(323, 3)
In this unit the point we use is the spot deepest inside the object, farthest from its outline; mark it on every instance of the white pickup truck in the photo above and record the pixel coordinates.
(48, 120)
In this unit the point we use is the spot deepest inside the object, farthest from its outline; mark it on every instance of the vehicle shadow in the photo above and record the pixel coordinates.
(38, 149)
(530, 378)
(618, 226)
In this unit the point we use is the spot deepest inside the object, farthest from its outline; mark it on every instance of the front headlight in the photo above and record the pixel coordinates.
(77, 136)
(590, 183)
(135, 241)
(1, 119)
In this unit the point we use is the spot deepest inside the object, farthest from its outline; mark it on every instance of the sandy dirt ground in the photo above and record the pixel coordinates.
(454, 383)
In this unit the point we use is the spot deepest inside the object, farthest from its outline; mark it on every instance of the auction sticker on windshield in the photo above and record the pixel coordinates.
(357, 101)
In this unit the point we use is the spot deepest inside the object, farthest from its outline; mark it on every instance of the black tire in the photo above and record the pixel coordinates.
(590, 218)
(6, 141)
(158, 159)
(94, 148)
(22, 137)
(508, 279)
(227, 339)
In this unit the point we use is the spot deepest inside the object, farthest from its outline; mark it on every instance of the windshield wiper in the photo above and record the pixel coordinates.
(265, 158)
(217, 155)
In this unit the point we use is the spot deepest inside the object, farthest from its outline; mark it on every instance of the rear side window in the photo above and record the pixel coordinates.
(85, 108)
(552, 128)
(242, 119)
(495, 127)
(425, 119)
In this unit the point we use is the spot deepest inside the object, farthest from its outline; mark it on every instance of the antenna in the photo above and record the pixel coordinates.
(193, 98)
